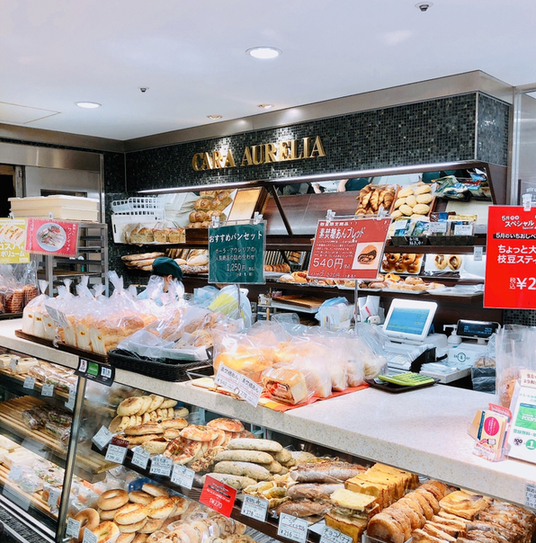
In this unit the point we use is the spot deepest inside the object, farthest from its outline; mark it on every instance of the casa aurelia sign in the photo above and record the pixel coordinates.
(264, 153)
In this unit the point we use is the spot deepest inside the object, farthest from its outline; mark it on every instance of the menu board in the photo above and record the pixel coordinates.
(348, 248)
(12, 242)
(511, 258)
(46, 236)
(236, 253)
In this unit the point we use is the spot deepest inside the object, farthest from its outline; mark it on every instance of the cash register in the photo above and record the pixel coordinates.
(407, 326)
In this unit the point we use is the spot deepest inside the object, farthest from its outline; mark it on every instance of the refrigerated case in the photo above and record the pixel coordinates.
(422, 431)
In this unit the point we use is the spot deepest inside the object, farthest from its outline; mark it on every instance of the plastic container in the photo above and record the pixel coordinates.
(62, 207)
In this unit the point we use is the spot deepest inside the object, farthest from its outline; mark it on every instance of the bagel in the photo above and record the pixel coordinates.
(144, 429)
(171, 433)
(168, 402)
(190, 532)
(139, 440)
(88, 518)
(139, 496)
(109, 514)
(130, 406)
(118, 424)
(176, 423)
(126, 538)
(106, 531)
(181, 412)
(140, 538)
(154, 490)
(154, 446)
(181, 505)
(228, 425)
(160, 508)
(112, 499)
(131, 528)
(156, 402)
(152, 525)
(131, 513)
(147, 402)
(455, 262)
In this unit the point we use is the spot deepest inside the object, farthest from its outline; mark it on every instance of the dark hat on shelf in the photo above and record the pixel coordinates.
(167, 266)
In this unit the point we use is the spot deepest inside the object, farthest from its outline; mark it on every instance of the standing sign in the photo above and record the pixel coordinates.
(348, 248)
(236, 253)
(511, 258)
(49, 237)
(12, 240)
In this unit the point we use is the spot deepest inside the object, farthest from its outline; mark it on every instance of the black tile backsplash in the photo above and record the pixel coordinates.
(492, 130)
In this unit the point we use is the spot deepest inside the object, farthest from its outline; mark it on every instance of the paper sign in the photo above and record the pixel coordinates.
(69, 404)
(218, 496)
(47, 390)
(102, 437)
(236, 253)
(53, 497)
(29, 383)
(15, 473)
(89, 537)
(12, 242)
(13, 363)
(348, 248)
(45, 236)
(254, 508)
(530, 496)
(182, 476)
(511, 258)
(116, 453)
(437, 227)
(140, 457)
(160, 465)
(239, 384)
(330, 535)
(73, 528)
(292, 528)
(463, 229)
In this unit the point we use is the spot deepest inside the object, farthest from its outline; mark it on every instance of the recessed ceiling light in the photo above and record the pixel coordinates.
(214, 117)
(88, 105)
(424, 6)
(263, 52)
(266, 106)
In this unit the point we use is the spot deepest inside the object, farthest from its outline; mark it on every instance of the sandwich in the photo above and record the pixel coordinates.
(351, 512)
(368, 255)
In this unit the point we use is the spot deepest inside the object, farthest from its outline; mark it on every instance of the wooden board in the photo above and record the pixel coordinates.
(301, 300)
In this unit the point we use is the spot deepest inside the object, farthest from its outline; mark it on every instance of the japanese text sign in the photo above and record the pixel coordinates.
(12, 241)
(348, 248)
(511, 258)
(47, 237)
(236, 253)
(218, 496)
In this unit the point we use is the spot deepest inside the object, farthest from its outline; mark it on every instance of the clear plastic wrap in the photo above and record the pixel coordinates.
(287, 384)
(32, 316)
(374, 338)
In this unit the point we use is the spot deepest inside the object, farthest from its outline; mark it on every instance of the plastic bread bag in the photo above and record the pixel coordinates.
(227, 302)
(374, 338)
(287, 384)
(32, 315)
(267, 336)
(515, 350)
(317, 375)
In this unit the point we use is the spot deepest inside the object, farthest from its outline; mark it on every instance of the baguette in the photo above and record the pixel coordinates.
(236, 481)
(243, 469)
(142, 256)
(249, 444)
(257, 457)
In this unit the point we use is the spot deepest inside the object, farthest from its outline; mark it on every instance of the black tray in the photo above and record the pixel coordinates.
(166, 370)
(397, 389)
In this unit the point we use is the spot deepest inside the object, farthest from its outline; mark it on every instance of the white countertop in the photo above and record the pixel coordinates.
(424, 431)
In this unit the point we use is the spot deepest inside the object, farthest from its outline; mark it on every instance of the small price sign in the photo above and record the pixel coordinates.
(15, 473)
(254, 508)
(182, 476)
(530, 495)
(140, 457)
(160, 465)
(53, 497)
(239, 384)
(47, 390)
(102, 437)
(95, 371)
(13, 363)
(89, 537)
(292, 528)
(73, 528)
(117, 450)
(69, 404)
(330, 535)
(29, 383)
(218, 496)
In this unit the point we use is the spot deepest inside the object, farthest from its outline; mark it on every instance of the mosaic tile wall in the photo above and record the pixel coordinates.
(492, 130)
(432, 131)
(526, 317)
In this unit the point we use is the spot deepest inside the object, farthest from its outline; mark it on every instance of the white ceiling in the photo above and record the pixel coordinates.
(191, 55)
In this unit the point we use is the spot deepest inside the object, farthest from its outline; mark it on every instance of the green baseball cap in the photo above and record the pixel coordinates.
(166, 266)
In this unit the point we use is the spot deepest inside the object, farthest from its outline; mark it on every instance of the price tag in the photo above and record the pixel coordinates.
(463, 229)
(53, 497)
(140, 457)
(47, 390)
(239, 384)
(292, 528)
(89, 537)
(330, 535)
(102, 437)
(478, 253)
(69, 404)
(73, 528)
(160, 465)
(183, 476)
(15, 473)
(29, 383)
(530, 495)
(527, 378)
(254, 508)
(438, 227)
(13, 363)
(116, 453)
(218, 496)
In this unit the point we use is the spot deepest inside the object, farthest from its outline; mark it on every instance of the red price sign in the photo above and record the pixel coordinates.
(218, 496)
(49, 237)
(348, 248)
(511, 258)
